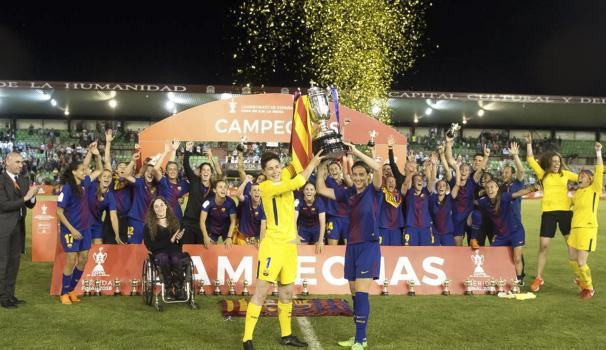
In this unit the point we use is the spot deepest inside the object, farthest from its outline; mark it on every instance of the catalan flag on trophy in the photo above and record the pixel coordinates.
(301, 135)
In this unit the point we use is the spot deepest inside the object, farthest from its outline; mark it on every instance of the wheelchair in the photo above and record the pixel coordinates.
(154, 286)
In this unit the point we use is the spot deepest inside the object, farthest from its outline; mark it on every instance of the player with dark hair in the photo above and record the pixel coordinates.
(200, 188)
(337, 216)
(418, 230)
(363, 253)
(74, 215)
(218, 217)
(391, 220)
(555, 204)
(440, 203)
(278, 248)
(170, 187)
(311, 217)
(251, 214)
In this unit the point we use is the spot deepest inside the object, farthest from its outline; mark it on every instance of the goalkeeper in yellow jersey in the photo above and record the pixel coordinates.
(278, 247)
(583, 235)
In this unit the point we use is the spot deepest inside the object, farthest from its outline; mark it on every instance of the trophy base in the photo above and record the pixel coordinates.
(245, 294)
(468, 292)
(134, 294)
(231, 293)
(412, 294)
(86, 294)
(217, 294)
(331, 143)
(117, 294)
(384, 294)
(446, 293)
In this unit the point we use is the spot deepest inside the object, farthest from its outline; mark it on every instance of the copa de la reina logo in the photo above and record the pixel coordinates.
(99, 257)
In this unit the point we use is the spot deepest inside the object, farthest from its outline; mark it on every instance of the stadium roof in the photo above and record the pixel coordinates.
(136, 101)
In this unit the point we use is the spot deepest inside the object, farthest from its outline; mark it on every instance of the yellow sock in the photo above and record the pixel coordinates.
(586, 276)
(284, 316)
(575, 268)
(252, 315)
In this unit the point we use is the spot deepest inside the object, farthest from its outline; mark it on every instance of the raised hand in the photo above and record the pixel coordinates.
(109, 136)
(514, 148)
(528, 138)
(175, 145)
(598, 147)
(189, 146)
(136, 156)
(93, 148)
(486, 151)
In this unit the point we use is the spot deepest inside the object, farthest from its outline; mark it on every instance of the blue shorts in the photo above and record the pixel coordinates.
(513, 239)
(444, 239)
(419, 236)
(362, 260)
(215, 236)
(309, 235)
(391, 236)
(337, 227)
(71, 245)
(135, 231)
(96, 231)
(459, 222)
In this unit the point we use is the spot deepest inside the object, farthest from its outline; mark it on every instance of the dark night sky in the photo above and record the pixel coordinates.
(535, 47)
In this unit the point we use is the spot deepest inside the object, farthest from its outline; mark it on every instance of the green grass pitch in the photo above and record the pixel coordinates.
(556, 319)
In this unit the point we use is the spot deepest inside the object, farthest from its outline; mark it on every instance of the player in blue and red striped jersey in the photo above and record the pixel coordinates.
(418, 230)
(363, 253)
(74, 216)
(122, 192)
(337, 214)
(100, 200)
(311, 217)
(250, 213)
(145, 187)
(200, 188)
(391, 220)
(170, 186)
(463, 204)
(441, 202)
(218, 217)
(513, 181)
(508, 228)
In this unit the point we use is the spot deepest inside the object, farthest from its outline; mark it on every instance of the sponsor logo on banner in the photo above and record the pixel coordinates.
(99, 258)
(479, 278)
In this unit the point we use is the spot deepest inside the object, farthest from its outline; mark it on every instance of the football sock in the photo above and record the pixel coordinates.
(75, 278)
(575, 268)
(586, 276)
(284, 316)
(361, 316)
(252, 315)
(66, 283)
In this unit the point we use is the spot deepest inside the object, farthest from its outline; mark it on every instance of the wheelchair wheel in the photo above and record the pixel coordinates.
(148, 281)
(191, 287)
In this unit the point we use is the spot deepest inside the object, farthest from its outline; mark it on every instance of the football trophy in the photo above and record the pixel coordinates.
(275, 292)
(373, 135)
(453, 130)
(86, 285)
(232, 288)
(411, 288)
(245, 291)
(97, 288)
(324, 137)
(201, 285)
(515, 286)
(117, 291)
(305, 290)
(240, 147)
(468, 283)
(217, 290)
(446, 285)
(385, 291)
(501, 285)
(134, 290)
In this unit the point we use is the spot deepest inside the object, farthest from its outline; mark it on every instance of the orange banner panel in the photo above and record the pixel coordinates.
(323, 273)
(44, 231)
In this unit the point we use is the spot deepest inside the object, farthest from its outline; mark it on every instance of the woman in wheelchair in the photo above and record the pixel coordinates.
(161, 237)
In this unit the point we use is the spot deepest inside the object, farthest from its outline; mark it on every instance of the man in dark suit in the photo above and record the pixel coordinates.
(16, 196)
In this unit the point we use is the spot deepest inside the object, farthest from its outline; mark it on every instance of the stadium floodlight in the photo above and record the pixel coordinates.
(226, 96)
(428, 111)
(53, 102)
(464, 120)
(66, 112)
(169, 105)
(113, 103)
(416, 119)
(480, 113)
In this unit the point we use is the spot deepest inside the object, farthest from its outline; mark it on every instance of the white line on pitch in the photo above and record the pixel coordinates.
(309, 334)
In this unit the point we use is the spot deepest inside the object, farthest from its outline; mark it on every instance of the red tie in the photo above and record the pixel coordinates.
(16, 183)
